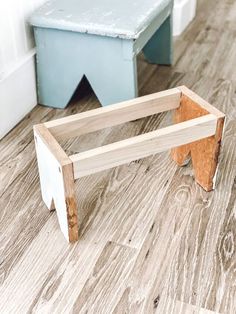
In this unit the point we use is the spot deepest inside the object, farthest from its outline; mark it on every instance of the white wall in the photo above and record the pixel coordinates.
(16, 38)
(184, 12)
(17, 74)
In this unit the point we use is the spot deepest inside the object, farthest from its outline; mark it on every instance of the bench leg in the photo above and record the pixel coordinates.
(57, 181)
(159, 49)
(58, 73)
(115, 79)
(205, 152)
(63, 58)
(56, 89)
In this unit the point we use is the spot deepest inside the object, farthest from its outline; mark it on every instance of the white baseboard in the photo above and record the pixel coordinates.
(17, 93)
(184, 12)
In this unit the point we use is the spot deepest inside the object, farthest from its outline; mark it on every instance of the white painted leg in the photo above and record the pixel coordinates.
(57, 181)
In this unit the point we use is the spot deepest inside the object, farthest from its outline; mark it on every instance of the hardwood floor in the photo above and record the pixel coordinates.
(151, 240)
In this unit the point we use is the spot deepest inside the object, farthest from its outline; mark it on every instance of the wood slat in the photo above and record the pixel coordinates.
(141, 146)
(200, 102)
(101, 118)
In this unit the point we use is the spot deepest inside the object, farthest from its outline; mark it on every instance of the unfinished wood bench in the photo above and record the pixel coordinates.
(197, 132)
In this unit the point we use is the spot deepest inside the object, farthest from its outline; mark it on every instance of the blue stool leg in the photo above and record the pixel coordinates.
(58, 72)
(64, 57)
(117, 82)
(159, 48)
(115, 77)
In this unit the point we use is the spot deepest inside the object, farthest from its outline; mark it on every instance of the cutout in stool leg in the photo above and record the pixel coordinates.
(52, 206)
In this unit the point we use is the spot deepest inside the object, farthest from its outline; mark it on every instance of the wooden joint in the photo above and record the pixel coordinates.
(197, 132)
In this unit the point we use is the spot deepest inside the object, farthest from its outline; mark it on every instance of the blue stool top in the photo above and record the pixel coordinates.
(116, 18)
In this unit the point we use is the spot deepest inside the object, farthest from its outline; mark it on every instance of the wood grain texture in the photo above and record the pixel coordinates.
(172, 306)
(120, 260)
(100, 118)
(204, 152)
(173, 245)
(141, 146)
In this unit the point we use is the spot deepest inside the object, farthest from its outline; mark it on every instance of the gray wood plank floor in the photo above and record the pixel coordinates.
(152, 241)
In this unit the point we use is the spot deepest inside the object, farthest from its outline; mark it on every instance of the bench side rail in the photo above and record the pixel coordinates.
(141, 146)
(97, 119)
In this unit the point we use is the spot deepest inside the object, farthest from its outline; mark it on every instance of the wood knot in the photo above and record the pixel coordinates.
(156, 301)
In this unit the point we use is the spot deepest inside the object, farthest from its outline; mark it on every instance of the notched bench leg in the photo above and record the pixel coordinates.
(115, 78)
(118, 82)
(205, 152)
(159, 49)
(57, 181)
(63, 58)
(58, 71)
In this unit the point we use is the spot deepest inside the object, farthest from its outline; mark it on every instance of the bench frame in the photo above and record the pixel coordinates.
(197, 132)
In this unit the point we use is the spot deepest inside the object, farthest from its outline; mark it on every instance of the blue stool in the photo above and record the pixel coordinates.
(99, 39)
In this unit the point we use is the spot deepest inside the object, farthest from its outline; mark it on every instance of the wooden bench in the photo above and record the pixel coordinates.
(197, 132)
(99, 39)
